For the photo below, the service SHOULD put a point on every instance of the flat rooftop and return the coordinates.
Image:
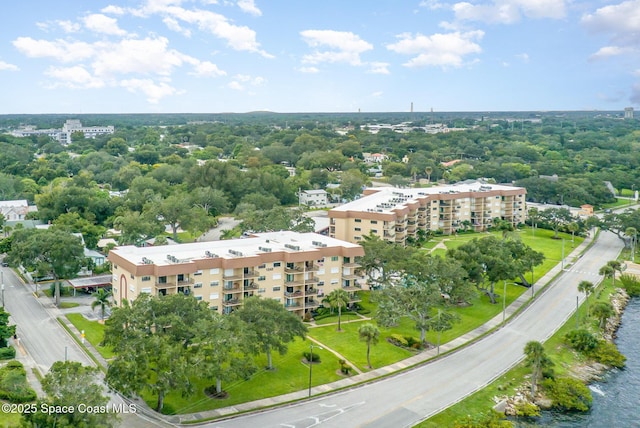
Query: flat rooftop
(387, 199)
(259, 243)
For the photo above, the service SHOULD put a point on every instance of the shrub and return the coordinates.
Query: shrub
(398, 340)
(344, 367)
(581, 340)
(607, 353)
(311, 356)
(526, 410)
(631, 284)
(13, 384)
(568, 394)
(491, 419)
(7, 353)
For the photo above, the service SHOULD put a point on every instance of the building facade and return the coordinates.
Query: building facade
(314, 198)
(395, 214)
(64, 135)
(297, 269)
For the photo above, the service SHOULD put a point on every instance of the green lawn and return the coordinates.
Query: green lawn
(94, 333)
(9, 420)
(291, 374)
(67, 305)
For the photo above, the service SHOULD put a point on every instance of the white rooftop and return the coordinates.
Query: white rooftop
(386, 199)
(262, 242)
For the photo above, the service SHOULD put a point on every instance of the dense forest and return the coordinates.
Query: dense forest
(190, 168)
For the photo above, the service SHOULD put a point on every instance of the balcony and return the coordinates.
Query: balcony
(312, 280)
(293, 270)
(293, 295)
(355, 298)
(161, 285)
(311, 291)
(351, 265)
(294, 283)
(291, 306)
(232, 276)
(187, 281)
(251, 286)
(231, 302)
(251, 274)
(311, 267)
(232, 289)
(349, 288)
(311, 303)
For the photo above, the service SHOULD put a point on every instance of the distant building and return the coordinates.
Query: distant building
(395, 214)
(314, 198)
(64, 135)
(374, 157)
(628, 113)
(295, 269)
(14, 210)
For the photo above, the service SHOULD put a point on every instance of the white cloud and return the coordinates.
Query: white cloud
(444, 50)
(610, 51)
(174, 25)
(249, 6)
(61, 50)
(509, 11)
(154, 91)
(207, 69)
(524, 57)
(309, 70)
(343, 46)
(620, 21)
(5, 66)
(379, 68)
(73, 77)
(236, 85)
(69, 26)
(240, 81)
(240, 38)
(377, 94)
(113, 10)
(103, 24)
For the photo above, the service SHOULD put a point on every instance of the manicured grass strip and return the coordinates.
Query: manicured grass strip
(93, 332)
(68, 305)
(79, 342)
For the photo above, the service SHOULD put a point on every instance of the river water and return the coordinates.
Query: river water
(616, 399)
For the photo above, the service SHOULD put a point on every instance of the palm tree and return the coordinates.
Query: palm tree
(608, 272)
(586, 287)
(102, 300)
(537, 359)
(369, 333)
(338, 298)
(602, 311)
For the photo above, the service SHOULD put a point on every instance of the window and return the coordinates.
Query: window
(132, 277)
(334, 281)
(198, 272)
(277, 276)
(214, 271)
(357, 229)
(213, 308)
(356, 238)
(277, 264)
(198, 297)
(214, 283)
(276, 288)
(261, 290)
(358, 220)
(146, 278)
(146, 290)
(214, 296)
(334, 258)
(374, 221)
(335, 269)
(320, 284)
(262, 278)
(374, 230)
(262, 266)
(197, 285)
(321, 271)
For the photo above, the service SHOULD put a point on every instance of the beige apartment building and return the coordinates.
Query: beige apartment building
(394, 214)
(297, 269)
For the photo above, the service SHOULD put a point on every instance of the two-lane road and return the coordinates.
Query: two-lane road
(39, 333)
(412, 396)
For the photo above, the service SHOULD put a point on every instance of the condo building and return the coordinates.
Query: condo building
(297, 269)
(395, 214)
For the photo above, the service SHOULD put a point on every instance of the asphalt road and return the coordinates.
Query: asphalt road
(410, 397)
(38, 331)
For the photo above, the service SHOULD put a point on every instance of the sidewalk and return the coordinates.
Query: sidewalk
(494, 323)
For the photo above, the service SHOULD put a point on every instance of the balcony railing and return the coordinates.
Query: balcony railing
(312, 303)
(187, 281)
(293, 295)
(311, 291)
(232, 289)
(293, 270)
(231, 302)
(292, 306)
(166, 284)
(232, 276)
(251, 274)
(251, 286)
(294, 283)
(351, 288)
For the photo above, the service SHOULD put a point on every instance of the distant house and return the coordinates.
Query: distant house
(586, 210)
(14, 210)
(374, 157)
(314, 198)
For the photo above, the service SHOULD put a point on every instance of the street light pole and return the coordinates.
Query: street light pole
(562, 254)
(504, 302)
(311, 363)
(532, 281)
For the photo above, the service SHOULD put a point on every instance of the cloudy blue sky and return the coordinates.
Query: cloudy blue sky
(128, 56)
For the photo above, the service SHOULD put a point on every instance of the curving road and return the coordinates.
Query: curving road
(410, 397)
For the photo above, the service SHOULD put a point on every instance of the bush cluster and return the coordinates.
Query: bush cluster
(405, 341)
(599, 350)
(568, 394)
(344, 367)
(311, 356)
(7, 353)
(13, 384)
